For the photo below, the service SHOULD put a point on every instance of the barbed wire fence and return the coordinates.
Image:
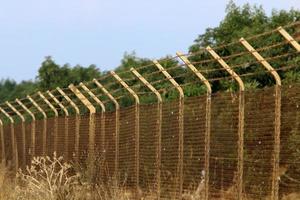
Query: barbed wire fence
(155, 137)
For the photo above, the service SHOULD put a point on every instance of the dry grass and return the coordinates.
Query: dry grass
(53, 179)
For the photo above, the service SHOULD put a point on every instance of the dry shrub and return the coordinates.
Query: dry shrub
(46, 179)
(50, 178)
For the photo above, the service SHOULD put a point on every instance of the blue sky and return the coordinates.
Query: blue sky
(99, 32)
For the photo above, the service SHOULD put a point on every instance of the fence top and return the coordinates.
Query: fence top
(95, 98)
(58, 102)
(170, 78)
(69, 100)
(118, 78)
(37, 106)
(7, 115)
(48, 103)
(274, 73)
(16, 111)
(83, 99)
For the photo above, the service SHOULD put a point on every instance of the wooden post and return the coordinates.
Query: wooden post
(44, 124)
(100, 103)
(289, 38)
(92, 110)
(207, 120)
(13, 140)
(32, 145)
(137, 127)
(117, 124)
(77, 124)
(55, 119)
(23, 132)
(66, 122)
(159, 127)
(241, 123)
(276, 151)
(180, 124)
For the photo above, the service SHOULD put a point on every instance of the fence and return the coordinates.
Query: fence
(239, 144)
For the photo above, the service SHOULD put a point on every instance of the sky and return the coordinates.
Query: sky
(100, 32)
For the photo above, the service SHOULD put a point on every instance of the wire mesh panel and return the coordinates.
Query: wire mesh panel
(148, 148)
(83, 139)
(39, 137)
(8, 143)
(28, 145)
(98, 140)
(61, 137)
(110, 143)
(224, 140)
(99, 148)
(194, 141)
(19, 141)
(259, 143)
(127, 163)
(69, 137)
(170, 150)
(50, 136)
(290, 141)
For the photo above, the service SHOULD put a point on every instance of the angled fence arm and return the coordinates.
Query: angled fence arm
(180, 124)
(32, 145)
(44, 122)
(137, 126)
(48, 103)
(117, 123)
(77, 126)
(55, 119)
(207, 120)
(13, 139)
(159, 126)
(276, 151)
(58, 103)
(262, 61)
(101, 104)
(289, 38)
(66, 121)
(3, 156)
(196, 72)
(241, 119)
(92, 111)
(23, 131)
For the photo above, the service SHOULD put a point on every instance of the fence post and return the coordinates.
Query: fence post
(241, 123)
(23, 131)
(44, 124)
(137, 127)
(32, 145)
(13, 140)
(276, 152)
(92, 110)
(66, 121)
(159, 126)
(100, 103)
(289, 38)
(180, 123)
(77, 124)
(117, 125)
(3, 156)
(55, 119)
(207, 120)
